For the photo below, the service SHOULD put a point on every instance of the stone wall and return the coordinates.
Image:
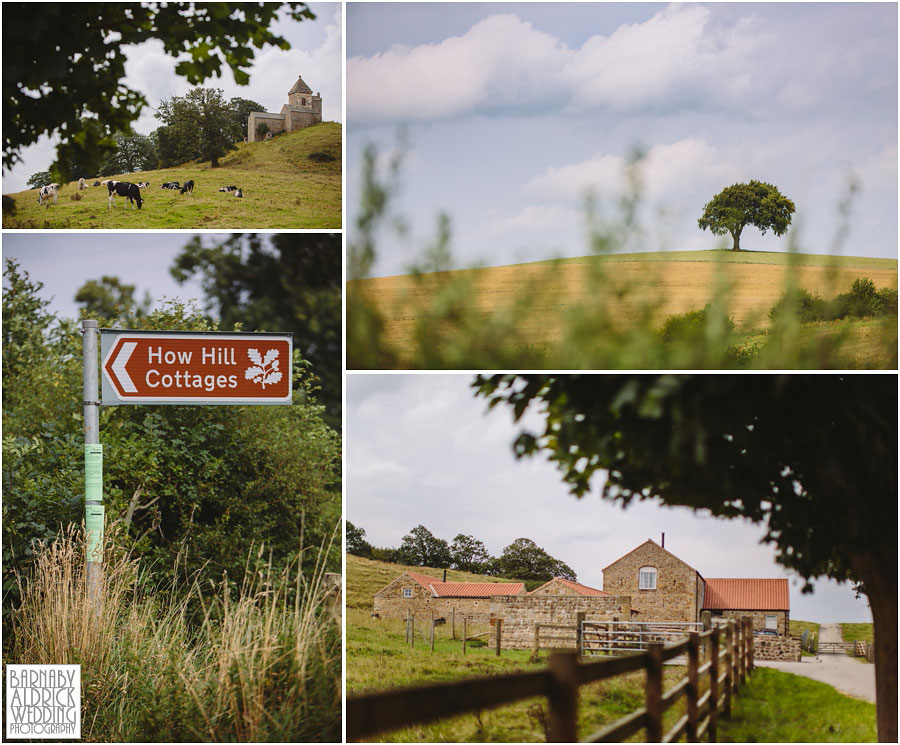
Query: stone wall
(519, 615)
(677, 593)
(275, 123)
(786, 648)
(759, 618)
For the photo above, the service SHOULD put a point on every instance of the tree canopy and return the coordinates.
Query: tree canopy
(756, 203)
(813, 458)
(133, 153)
(524, 559)
(420, 547)
(198, 126)
(63, 67)
(468, 554)
(288, 282)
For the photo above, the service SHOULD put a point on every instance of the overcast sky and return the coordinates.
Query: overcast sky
(315, 54)
(63, 262)
(514, 111)
(421, 449)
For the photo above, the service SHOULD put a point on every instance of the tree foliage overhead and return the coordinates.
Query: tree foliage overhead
(63, 67)
(739, 205)
(813, 458)
(290, 282)
(111, 300)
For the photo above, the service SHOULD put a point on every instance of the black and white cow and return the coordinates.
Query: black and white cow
(96, 183)
(143, 184)
(47, 192)
(228, 188)
(188, 186)
(131, 192)
(170, 185)
(238, 193)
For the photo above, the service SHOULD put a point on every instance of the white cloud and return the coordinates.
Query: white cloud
(504, 63)
(533, 218)
(666, 171)
(500, 62)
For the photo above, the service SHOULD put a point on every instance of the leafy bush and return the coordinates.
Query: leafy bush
(806, 306)
(691, 326)
(862, 301)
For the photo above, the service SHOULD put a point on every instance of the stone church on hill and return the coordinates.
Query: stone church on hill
(303, 109)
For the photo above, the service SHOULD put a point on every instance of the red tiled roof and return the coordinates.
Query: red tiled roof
(576, 586)
(746, 594)
(465, 589)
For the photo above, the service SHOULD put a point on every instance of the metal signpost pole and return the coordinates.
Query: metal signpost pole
(93, 460)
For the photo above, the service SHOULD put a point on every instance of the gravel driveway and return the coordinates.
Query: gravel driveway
(844, 673)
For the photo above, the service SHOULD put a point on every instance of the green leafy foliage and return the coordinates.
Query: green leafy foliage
(112, 301)
(197, 126)
(468, 554)
(420, 547)
(691, 326)
(862, 301)
(39, 179)
(356, 540)
(133, 153)
(755, 203)
(192, 487)
(64, 66)
(241, 108)
(524, 559)
(292, 282)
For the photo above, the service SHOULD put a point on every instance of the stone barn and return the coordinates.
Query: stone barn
(303, 109)
(422, 594)
(766, 601)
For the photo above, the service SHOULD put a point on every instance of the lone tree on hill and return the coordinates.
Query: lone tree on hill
(813, 458)
(736, 206)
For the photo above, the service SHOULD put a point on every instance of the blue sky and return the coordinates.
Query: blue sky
(420, 449)
(513, 112)
(315, 54)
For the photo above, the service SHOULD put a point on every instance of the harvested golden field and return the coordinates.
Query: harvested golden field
(657, 284)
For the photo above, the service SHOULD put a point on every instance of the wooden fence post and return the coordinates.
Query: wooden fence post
(579, 634)
(562, 697)
(693, 686)
(654, 692)
(729, 666)
(453, 616)
(412, 630)
(714, 684)
(432, 632)
(499, 632)
(465, 632)
(738, 657)
(536, 644)
(750, 648)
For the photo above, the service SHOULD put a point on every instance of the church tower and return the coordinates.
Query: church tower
(303, 109)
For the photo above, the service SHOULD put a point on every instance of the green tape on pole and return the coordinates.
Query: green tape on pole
(93, 473)
(93, 524)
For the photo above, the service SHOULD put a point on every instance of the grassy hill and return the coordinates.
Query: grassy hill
(283, 188)
(544, 300)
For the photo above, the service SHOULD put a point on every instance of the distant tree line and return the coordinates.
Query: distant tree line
(200, 126)
(522, 559)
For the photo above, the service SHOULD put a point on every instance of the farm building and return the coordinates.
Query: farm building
(303, 109)
(422, 594)
(766, 601)
(560, 586)
(662, 587)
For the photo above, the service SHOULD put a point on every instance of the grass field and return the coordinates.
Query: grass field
(772, 706)
(856, 632)
(659, 284)
(282, 187)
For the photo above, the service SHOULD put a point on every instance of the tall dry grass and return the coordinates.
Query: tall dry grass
(256, 662)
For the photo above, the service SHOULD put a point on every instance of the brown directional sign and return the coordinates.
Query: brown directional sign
(141, 367)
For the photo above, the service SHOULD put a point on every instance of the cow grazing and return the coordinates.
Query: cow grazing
(96, 183)
(143, 184)
(170, 185)
(228, 188)
(81, 184)
(188, 186)
(123, 189)
(48, 191)
(238, 193)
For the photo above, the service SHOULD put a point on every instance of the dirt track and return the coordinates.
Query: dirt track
(844, 673)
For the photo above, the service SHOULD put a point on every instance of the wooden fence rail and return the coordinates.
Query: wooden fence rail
(727, 666)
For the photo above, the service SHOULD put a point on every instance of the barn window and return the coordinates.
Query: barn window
(647, 578)
(407, 592)
(772, 622)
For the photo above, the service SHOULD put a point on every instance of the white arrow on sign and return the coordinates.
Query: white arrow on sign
(118, 366)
